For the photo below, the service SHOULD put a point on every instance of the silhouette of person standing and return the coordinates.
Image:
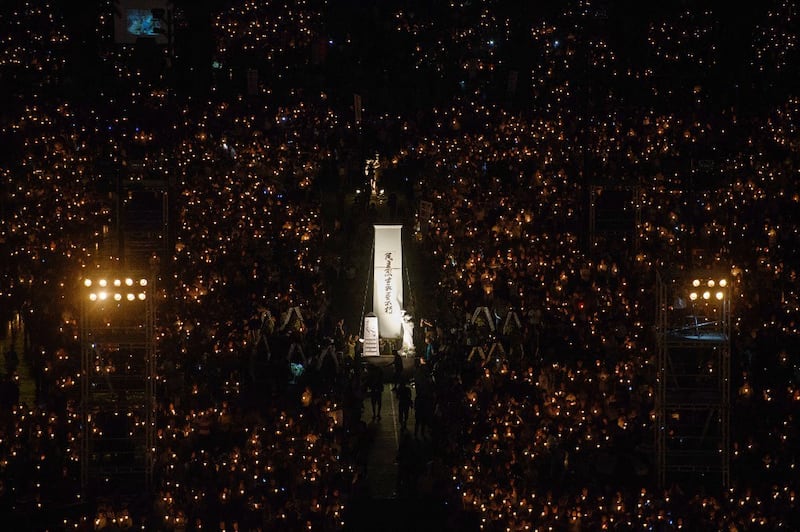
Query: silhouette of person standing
(398, 369)
(423, 404)
(404, 403)
(375, 390)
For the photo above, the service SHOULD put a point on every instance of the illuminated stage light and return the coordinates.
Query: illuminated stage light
(720, 295)
(102, 296)
(696, 283)
(87, 283)
(693, 296)
(711, 283)
(117, 282)
(93, 297)
(142, 282)
(117, 297)
(723, 283)
(128, 282)
(141, 296)
(706, 295)
(131, 297)
(102, 282)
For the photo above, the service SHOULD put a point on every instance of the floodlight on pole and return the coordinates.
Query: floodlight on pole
(102, 294)
(708, 295)
(705, 328)
(114, 316)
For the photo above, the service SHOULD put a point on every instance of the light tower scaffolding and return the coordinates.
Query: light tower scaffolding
(692, 403)
(118, 377)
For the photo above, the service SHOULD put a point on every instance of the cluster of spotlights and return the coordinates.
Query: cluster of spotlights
(117, 289)
(709, 292)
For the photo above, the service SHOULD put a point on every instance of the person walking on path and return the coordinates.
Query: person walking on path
(398, 369)
(404, 403)
(423, 406)
(375, 390)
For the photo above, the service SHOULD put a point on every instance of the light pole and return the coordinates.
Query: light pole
(118, 361)
(692, 389)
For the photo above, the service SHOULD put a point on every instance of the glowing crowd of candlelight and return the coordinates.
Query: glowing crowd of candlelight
(506, 231)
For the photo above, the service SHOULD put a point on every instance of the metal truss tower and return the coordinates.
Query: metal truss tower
(692, 403)
(118, 378)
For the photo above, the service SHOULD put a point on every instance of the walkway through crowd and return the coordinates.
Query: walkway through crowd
(399, 496)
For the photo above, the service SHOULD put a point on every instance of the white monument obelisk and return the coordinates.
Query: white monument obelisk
(387, 292)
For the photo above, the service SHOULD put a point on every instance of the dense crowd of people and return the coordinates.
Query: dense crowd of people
(536, 367)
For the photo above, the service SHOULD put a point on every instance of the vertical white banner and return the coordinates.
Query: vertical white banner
(387, 293)
(371, 340)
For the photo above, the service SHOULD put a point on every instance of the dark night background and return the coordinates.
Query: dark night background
(573, 156)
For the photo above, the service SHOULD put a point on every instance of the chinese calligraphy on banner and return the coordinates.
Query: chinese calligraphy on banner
(387, 298)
